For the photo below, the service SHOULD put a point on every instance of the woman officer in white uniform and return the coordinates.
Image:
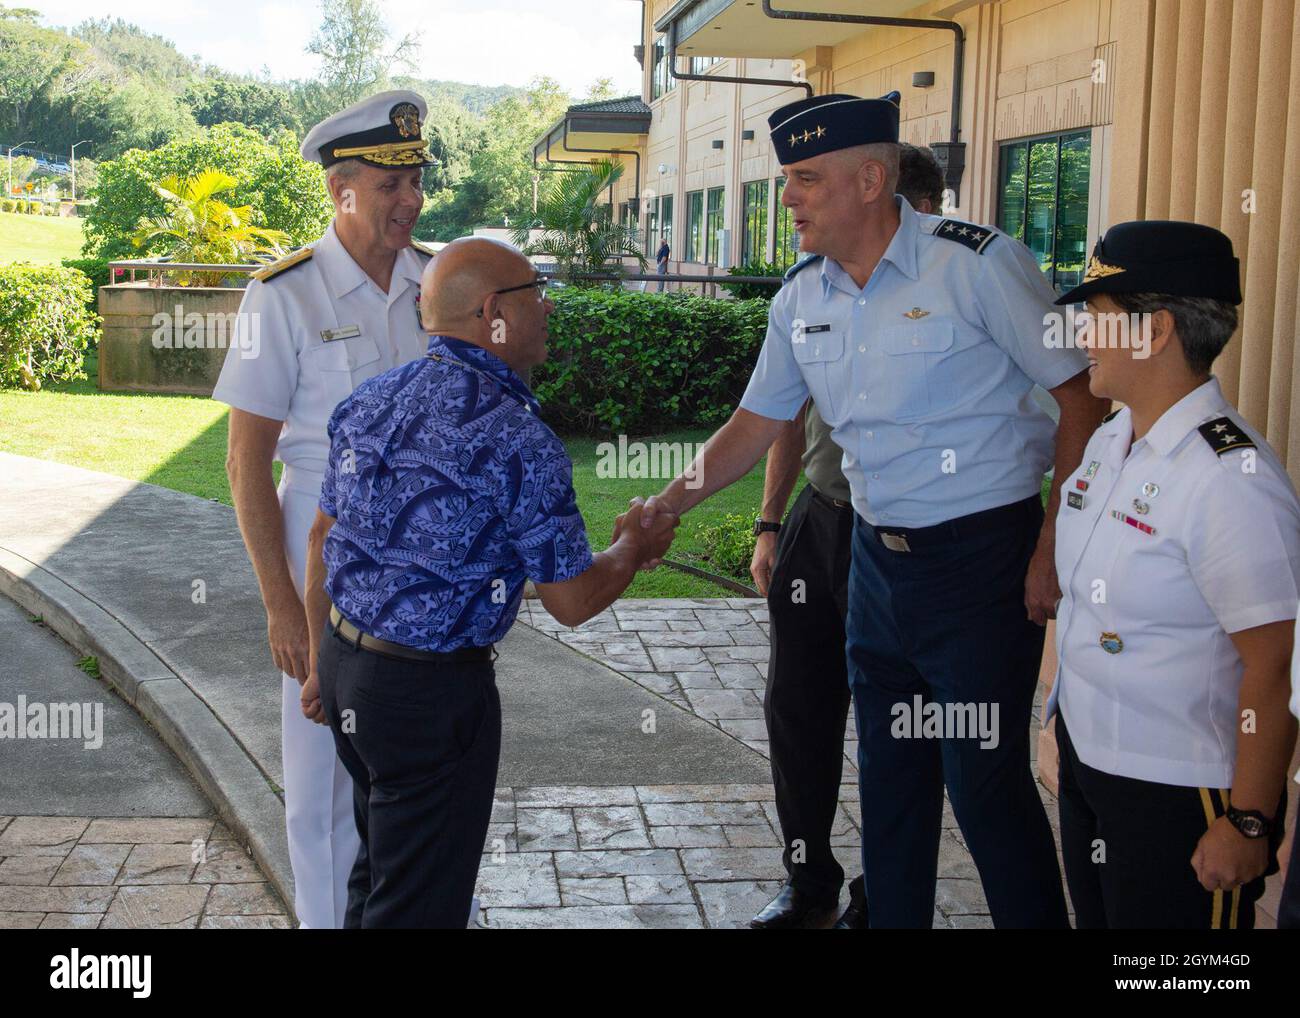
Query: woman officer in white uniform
(1178, 551)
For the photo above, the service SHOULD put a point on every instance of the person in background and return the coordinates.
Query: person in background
(806, 704)
(661, 258)
(444, 493)
(1178, 552)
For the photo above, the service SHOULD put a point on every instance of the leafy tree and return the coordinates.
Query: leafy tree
(499, 182)
(130, 48)
(265, 108)
(601, 88)
(454, 137)
(29, 57)
(352, 44)
(198, 226)
(285, 192)
(20, 166)
(579, 231)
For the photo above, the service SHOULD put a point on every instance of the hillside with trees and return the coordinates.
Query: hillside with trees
(127, 90)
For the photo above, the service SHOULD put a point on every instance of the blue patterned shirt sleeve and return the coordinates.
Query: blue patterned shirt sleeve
(329, 485)
(543, 523)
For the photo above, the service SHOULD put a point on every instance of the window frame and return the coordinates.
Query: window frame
(715, 221)
(694, 225)
(1026, 144)
(754, 213)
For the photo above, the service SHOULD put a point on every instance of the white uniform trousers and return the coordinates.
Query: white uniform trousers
(318, 804)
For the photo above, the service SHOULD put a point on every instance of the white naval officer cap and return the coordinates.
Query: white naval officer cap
(384, 130)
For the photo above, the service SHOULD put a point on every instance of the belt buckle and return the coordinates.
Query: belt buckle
(895, 542)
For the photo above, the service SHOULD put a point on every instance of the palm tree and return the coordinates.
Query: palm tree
(204, 229)
(578, 230)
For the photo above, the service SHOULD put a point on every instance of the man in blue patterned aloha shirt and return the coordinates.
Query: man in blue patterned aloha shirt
(444, 493)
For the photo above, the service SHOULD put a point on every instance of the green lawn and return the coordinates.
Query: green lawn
(179, 442)
(43, 240)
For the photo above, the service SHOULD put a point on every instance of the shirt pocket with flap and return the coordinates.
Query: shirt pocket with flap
(820, 358)
(343, 364)
(913, 355)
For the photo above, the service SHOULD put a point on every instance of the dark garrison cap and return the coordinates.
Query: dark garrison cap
(827, 123)
(1161, 256)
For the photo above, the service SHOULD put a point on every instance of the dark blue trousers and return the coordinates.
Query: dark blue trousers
(421, 742)
(946, 622)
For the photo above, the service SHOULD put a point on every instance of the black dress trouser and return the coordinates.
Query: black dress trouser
(422, 741)
(1127, 845)
(806, 704)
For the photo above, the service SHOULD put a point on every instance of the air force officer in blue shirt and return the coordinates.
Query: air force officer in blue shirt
(919, 340)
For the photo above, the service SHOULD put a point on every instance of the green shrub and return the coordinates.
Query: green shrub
(6, 204)
(752, 291)
(730, 546)
(33, 208)
(45, 324)
(639, 363)
(94, 269)
(286, 192)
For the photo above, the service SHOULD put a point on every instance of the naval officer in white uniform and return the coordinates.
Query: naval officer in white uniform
(1178, 552)
(326, 318)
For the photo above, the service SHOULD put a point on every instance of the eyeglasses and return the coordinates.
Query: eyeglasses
(541, 282)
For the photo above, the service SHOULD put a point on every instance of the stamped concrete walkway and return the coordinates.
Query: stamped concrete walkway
(100, 825)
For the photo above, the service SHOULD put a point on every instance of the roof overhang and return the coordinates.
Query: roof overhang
(739, 28)
(594, 130)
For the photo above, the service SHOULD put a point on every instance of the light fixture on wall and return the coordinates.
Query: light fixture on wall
(746, 135)
(923, 79)
(717, 143)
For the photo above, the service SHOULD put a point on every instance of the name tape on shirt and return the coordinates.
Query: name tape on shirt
(346, 332)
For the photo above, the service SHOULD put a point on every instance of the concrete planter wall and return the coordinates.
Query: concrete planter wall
(152, 341)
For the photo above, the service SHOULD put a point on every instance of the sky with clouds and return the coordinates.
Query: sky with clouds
(487, 42)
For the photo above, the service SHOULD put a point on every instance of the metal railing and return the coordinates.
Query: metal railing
(155, 270)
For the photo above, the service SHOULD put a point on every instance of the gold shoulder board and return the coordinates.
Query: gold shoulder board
(289, 261)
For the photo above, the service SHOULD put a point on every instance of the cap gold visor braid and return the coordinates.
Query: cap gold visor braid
(395, 153)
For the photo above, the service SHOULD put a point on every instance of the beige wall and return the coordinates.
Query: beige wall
(1209, 119)
(688, 118)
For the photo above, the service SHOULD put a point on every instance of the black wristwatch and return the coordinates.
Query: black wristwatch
(761, 526)
(1250, 822)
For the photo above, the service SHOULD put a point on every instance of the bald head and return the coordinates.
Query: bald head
(460, 297)
(459, 279)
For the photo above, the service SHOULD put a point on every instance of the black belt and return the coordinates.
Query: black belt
(351, 634)
(912, 538)
(827, 501)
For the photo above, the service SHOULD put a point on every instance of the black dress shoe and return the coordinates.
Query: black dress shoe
(855, 916)
(790, 910)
